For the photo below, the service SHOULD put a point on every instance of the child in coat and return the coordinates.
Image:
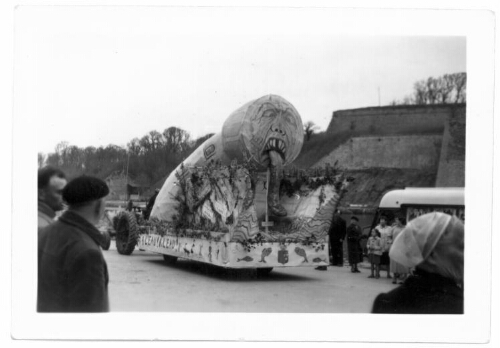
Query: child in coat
(374, 247)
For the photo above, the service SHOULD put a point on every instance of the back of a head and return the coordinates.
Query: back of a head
(83, 190)
(47, 172)
(447, 257)
(433, 242)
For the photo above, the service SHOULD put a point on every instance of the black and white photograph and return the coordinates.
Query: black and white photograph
(256, 173)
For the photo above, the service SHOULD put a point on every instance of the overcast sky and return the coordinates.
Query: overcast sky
(98, 76)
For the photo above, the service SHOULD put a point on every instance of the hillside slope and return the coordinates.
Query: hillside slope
(319, 146)
(370, 185)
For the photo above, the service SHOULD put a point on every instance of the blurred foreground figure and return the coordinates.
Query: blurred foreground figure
(72, 272)
(51, 182)
(433, 244)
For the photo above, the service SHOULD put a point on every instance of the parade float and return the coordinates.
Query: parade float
(237, 202)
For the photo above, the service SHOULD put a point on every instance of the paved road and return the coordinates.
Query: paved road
(143, 282)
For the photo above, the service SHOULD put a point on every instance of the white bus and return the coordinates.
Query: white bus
(412, 202)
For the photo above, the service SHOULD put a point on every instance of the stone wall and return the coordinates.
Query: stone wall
(405, 152)
(451, 171)
(393, 120)
(398, 146)
(404, 136)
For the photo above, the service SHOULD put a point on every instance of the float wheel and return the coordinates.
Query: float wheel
(107, 240)
(126, 233)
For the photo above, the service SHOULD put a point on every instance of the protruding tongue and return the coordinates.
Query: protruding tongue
(276, 159)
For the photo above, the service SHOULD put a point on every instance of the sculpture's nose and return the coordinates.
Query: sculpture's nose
(277, 127)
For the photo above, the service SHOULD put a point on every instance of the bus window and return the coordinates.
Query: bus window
(413, 212)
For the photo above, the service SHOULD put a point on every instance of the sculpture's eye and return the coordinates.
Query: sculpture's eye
(289, 118)
(269, 113)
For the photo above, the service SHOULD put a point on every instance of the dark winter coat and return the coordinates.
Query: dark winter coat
(353, 246)
(337, 229)
(423, 293)
(72, 272)
(150, 205)
(336, 238)
(46, 215)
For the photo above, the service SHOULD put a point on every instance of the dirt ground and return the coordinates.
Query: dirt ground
(143, 282)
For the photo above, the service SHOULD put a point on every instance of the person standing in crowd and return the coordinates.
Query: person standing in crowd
(434, 244)
(353, 247)
(130, 205)
(385, 237)
(398, 270)
(72, 272)
(51, 182)
(374, 247)
(151, 203)
(337, 234)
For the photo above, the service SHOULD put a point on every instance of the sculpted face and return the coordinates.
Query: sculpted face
(273, 131)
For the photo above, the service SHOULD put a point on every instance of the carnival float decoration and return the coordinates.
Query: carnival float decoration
(237, 201)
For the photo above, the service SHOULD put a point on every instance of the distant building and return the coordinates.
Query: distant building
(157, 185)
(123, 188)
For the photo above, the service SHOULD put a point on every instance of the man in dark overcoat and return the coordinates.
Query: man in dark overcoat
(337, 235)
(72, 272)
(149, 207)
(353, 246)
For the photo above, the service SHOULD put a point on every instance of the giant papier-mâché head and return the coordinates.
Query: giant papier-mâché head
(268, 124)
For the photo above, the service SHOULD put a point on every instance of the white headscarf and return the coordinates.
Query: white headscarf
(434, 242)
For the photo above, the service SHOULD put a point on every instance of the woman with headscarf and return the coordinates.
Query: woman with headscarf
(433, 244)
(398, 270)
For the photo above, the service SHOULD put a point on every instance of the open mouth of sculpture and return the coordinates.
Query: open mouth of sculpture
(276, 145)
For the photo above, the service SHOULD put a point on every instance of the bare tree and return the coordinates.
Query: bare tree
(408, 100)
(445, 87)
(176, 139)
(146, 144)
(432, 90)
(309, 129)
(449, 88)
(156, 139)
(460, 80)
(134, 147)
(41, 159)
(420, 92)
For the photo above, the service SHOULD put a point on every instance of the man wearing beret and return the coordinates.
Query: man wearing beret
(72, 272)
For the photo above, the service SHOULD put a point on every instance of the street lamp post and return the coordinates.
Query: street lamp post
(126, 185)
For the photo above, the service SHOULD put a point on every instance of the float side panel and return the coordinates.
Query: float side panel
(236, 255)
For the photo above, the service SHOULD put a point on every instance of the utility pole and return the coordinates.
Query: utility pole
(126, 186)
(379, 96)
